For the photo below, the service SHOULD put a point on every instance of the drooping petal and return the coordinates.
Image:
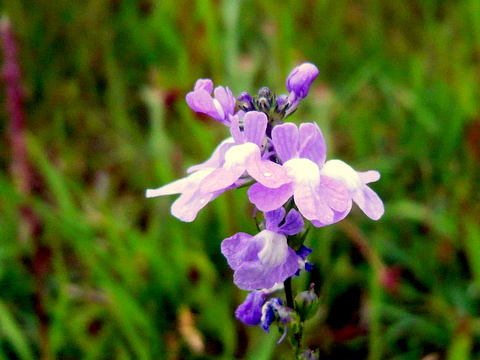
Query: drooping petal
(268, 199)
(252, 275)
(187, 206)
(337, 216)
(373, 205)
(285, 140)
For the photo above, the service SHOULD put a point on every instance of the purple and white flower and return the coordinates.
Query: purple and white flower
(319, 198)
(323, 193)
(263, 260)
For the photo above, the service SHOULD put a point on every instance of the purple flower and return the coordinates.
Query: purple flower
(321, 199)
(263, 260)
(300, 79)
(221, 107)
(246, 155)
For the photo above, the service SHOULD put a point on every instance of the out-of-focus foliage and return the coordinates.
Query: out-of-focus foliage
(108, 274)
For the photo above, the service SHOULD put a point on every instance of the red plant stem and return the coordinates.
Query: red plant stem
(15, 100)
(22, 174)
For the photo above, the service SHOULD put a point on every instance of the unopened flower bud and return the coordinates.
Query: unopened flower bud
(307, 304)
(246, 103)
(301, 78)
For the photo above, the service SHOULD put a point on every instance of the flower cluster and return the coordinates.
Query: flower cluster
(289, 179)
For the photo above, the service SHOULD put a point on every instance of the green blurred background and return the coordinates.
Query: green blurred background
(90, 269)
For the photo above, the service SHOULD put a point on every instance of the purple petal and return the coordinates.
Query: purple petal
(204, 84)
(268, 199)
(285, 140)
(255, 124)
(304, 251)
(201, 101)
(266, 172)
(251, 276)
(236, 248)
(273, 218)
(337, 216)
(274, 262)
(250, 311)
(373, 205)
(187, 206)
(226, 100)
(293, 224)
(312, 143)
(336, 195)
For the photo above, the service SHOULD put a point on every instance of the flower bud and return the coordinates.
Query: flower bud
(301, 78)
(307, 304)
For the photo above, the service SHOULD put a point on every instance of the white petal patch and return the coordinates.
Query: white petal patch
(274, 250)
(339, 170)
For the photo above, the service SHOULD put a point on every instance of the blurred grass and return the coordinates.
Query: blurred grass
(122, 279)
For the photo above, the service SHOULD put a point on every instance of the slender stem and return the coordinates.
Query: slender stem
(287, 284)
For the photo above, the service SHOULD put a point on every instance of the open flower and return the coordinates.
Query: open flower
(321, 199)
(323, 192)
(221, 107)
(263, 260)
(246, 155)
